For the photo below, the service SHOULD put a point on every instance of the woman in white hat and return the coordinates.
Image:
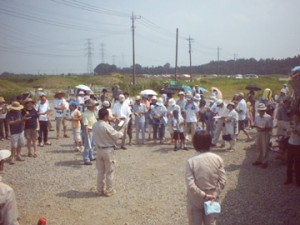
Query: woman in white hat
(231, 125)
(159, 119)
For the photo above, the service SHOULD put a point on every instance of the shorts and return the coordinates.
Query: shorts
(30, 134)
(178, 135)
(76, 134)
(242, 124)
(17, 140)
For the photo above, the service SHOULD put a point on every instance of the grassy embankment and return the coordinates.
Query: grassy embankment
(15, 85)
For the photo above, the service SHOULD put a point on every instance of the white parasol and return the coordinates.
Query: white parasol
(83, 87)
(148, 92)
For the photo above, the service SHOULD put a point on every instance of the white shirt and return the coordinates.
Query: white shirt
(43, 108)
(191, 114)
(59, 103)
(231, 122)
(265, 121)
(242, 105)
(121, 111)
(295, 138)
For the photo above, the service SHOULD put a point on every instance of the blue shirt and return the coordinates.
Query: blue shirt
(12, 116)
(158, 114)
(32, 122)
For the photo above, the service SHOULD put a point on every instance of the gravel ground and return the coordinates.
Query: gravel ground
(150, 188)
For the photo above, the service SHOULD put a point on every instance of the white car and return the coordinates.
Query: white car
(251, 76)
(238, 76)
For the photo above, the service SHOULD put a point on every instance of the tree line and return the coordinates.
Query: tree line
(230, 67)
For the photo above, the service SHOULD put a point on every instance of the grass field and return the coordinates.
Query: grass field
(15, 85)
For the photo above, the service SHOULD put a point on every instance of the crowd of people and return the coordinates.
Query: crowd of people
(101, 125)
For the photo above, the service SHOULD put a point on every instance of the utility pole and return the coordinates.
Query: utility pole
(89, 50)
(190, 52)
(218, 56)
(102, 53)
(234, 63)
(133, 18)
(176, 58)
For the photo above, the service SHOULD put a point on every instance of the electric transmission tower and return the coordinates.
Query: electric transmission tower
(89, 50)
(102, 52)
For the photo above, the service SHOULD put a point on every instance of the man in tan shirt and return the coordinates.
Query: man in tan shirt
(105, 140)
(205, 179)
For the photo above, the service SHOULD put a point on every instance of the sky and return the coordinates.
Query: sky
(51, 36)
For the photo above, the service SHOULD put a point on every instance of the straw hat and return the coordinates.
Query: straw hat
(138, 98)
(4, 154)
(59, 93)
(15, 105)
(42, 94)
(181, 93)
(231, 103)
(27, 100)
(2, 100)
(261, 107)
(91, 102)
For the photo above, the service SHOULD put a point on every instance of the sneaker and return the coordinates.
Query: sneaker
(47, 143)
(110, 193)
(256, 163)
(66, 136)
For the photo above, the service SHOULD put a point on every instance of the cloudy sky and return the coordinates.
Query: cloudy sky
(51, 36)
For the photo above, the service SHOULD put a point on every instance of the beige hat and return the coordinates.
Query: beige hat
(160, 101)
(4, 154)
(15, 105)
(138, 98)
(59, 93)
(154, 98)
(261, 106)
(171, 102)
(91, 102)
(121, 97)
(106, 104)
(219, 102)
(27, 100)
(231, 103)
(2, 100)
(81, 93)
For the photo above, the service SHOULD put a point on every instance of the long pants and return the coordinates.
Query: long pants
(139, 127)
(160, 129)
(3, 127)
(262, 146)
(105, 164)
(88, 153)
(293, 160)
(195, 211)
(219, 129)
(210, 127)
(43, 132)
(59, 121)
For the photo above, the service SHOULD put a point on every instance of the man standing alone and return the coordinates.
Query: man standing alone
(105, 143)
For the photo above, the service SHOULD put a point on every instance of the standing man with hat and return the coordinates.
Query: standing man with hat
(220, 122)
(106, 138)
(242, 110)
(43, 109)
(231, 125)
(190, 112)
(31, 126)
(3, 122)
(159, 119)
(181, 101)
(263, 124)
(139, 110)
(89, 119)
(15, 121)
(60, 106)
(8, 203)
(122, 111)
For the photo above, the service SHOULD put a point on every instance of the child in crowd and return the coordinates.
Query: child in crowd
(75, 117)
(178, 130)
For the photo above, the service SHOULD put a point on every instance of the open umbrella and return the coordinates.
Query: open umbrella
(83, 87)
(148, 92)
(166, 91)
(253, 87)
(296, 68)
(217, 92)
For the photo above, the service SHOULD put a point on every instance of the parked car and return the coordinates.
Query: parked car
(251, 76)
(238, 76)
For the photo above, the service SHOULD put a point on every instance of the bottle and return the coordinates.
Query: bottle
(42, 221)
